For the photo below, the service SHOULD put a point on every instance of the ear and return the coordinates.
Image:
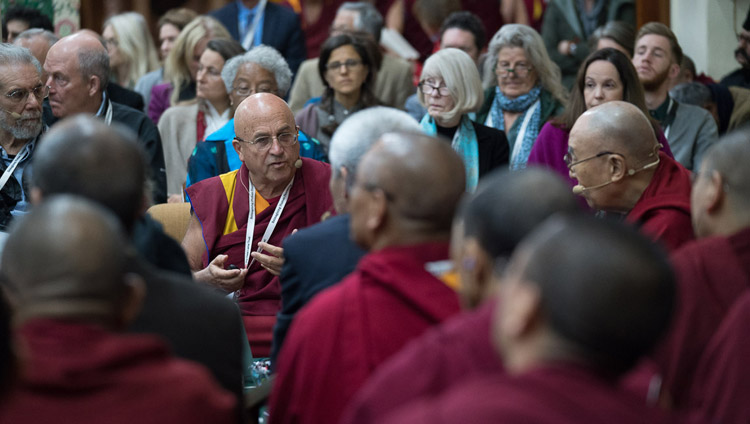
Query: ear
(377, 212)
(132, 301)
(617, 167)
(476, 273)
(522, 309)
(36, 196)
(94, 85)
(674, 70)
(344, 173)
(237, 148)
(715, 194)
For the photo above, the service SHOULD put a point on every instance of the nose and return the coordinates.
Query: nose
(49, 83)
(598, 93)
(276, 148)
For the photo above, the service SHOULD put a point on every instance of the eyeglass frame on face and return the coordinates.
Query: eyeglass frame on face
(262, 145)
(742, 37)
(210, 70)
(521, 72)
(251, 91)
(25, 94)
(442, 90)
(568, 158)
(348, 64)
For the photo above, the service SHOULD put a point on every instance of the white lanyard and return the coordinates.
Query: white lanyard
(12, 167)
(247, 42)
(251, 219)
(669, 109)
(522, 130)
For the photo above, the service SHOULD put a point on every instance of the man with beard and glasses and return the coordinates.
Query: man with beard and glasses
(20, 126)
(689, 129)
(741, 77)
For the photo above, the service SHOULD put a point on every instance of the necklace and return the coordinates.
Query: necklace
(243, 183)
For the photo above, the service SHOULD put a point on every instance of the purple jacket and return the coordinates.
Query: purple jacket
(160, 94)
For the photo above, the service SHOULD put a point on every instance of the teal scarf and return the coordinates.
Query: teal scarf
(520, 153)
(464, 143)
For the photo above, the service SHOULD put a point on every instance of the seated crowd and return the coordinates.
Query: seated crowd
(542, 228)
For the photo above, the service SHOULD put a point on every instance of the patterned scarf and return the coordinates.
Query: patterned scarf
(520, 153)
(464, 143)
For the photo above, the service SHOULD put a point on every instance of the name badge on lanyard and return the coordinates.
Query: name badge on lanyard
(271, 225)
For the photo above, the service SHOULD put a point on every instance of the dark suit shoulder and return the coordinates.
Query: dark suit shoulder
(120, 94)
(227, 15)
(494, 150)
(335, 226)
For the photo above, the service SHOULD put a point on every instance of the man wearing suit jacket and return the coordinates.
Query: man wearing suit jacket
(320, 256)
(276, 26)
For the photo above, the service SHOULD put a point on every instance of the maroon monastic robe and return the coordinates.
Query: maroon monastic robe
(712, 273)
(452, 352)
(345, 332)
(80, 373)
(260, 297)
(663, 211)
(548, 394)
(721, 393)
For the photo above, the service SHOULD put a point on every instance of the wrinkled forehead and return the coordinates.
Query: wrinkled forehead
(254, 117)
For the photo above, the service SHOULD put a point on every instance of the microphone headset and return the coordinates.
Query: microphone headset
(13, 115)
(578, 189)
(298, 163)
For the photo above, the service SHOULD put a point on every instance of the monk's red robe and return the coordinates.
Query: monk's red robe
(722, 388)
(663, 211)
(224, 229)
(549, 394)
(80, 373)
(445, 355)
(345, 332)
(712, 273)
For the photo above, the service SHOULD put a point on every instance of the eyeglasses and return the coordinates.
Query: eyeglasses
(20, 95)
(742, 37)
(568, 158)
(210, 69)
(520, 69)
(348, 64)
(248, 91)
(264, 142)
(431, 89)
(111, 42)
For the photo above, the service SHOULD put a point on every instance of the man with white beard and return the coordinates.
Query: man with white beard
(22, 92)
(689, 129)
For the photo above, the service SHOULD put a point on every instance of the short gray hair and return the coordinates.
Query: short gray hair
(368, 18)
(34, 32)
(94, 62)
(11, 54)
(692, 93)
(459, 72)
(354, 137)
(267, 58)
(525, 37)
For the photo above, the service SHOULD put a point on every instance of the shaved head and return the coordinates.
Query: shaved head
(620, 127)
(66, 258)
(422, 180)
(86, 157)
(730, 158)
(605, 298)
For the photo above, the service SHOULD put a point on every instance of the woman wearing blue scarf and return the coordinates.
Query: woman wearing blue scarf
(450, 89)
(524, 89)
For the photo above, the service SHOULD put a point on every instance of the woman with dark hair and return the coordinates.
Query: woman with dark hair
(616, 34)
(186, 124)
(606, 75)
(347, 66)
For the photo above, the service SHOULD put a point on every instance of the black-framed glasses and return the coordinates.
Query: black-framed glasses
(568, 158)
(521, 70)
(743, 37)
(428, 88)
(264, 142)
(19, 95)
(348, 64)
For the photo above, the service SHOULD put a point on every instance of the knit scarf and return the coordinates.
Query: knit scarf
(520, 154)
(464, 143)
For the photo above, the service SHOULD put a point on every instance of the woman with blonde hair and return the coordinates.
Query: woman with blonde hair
(181, 66)
(523, 89)
(131, 49)
(450, 89)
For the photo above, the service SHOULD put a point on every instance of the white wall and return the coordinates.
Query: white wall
(706, 30)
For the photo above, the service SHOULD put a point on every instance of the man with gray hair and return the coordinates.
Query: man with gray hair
(78, 73)
(320, 256)
(393, 81)
(38, 41)
(20, 126)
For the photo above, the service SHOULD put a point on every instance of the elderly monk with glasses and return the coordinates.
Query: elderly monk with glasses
(240, 218)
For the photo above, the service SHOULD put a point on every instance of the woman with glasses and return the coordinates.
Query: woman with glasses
(346, 66)
(184, 125)
(260, 70)
(450, 89)
(606, 75)
(131, 49)
(524, 89)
